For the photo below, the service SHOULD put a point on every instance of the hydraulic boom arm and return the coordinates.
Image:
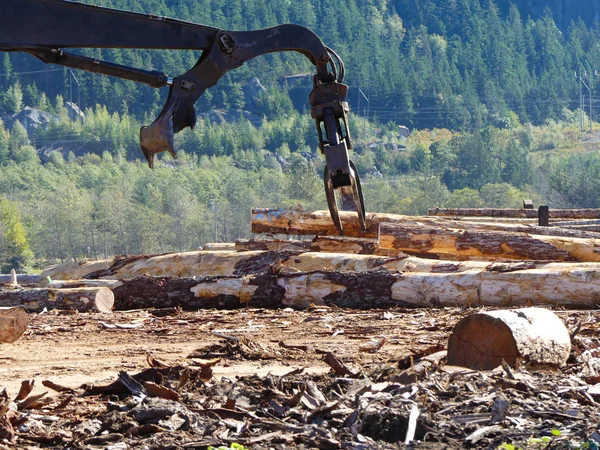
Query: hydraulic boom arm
(44, 28)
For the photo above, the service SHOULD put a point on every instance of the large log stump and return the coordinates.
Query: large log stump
(482, 341)
(13, 323)
(99, 299)
(488, 245)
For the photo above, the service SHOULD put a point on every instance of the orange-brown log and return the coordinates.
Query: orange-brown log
(483, 340)
(13, 323)
(488, 245)
(99, 299)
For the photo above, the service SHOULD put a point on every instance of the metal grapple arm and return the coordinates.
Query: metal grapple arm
(44, 28)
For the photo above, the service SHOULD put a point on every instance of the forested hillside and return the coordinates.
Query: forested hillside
(488, 90)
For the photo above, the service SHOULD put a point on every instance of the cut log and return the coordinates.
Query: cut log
(586, 213)
(482, 341)
(219, 246)
(575, 285)
(21, 278)
(358, 246)
(245, 245)
(488, 245)
(13, 323)
(277, 221)
(201, 264)
(83, 283)
(99, 299)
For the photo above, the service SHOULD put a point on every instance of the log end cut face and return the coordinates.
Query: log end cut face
(482, 341)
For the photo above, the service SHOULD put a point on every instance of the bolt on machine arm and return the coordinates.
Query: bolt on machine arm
(44, 28)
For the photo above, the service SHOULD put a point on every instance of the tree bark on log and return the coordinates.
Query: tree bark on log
(488, 245)
(575, 285)
(13, 323)
(277, 245)
(482, 341)
(278, 221)
(99, 299)
(584, 213)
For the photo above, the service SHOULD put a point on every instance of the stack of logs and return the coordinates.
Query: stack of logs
(398, 261)
(432, 261)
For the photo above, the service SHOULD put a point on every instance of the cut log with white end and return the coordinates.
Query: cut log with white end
(483, 340)
(489, 245)
(100, 299)
(13, 323)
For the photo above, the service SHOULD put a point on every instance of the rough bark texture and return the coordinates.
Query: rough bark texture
(80, 299)
(361, 290)
(589, 213)
(245, 245)
(482, 341)
(13, 323)
(487, 244)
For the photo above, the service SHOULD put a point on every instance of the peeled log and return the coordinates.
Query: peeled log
(202, 264)
(279, 221)
(245, 245)
(13, 323)
(352, 245)
(584, 213)
(575, 285)
(62, 284)
(489, 245)
(481, 341)
(99, 299)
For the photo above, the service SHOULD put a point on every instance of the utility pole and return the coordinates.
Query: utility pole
(581, 98)
(365, 113)
(78, 98)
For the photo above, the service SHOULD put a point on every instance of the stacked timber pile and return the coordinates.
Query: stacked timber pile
(399, 260)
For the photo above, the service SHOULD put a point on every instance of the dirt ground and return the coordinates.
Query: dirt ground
(72, 349)
(368, 407)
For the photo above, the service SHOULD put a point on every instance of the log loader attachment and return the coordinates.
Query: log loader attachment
(45, 28)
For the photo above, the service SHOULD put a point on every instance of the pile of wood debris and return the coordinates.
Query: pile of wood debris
(383, 383)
